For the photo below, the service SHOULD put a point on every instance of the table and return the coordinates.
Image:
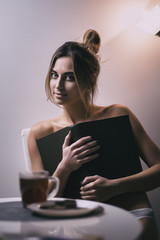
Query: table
(113, 224)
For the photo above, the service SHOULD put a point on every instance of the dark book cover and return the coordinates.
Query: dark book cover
(118, 154)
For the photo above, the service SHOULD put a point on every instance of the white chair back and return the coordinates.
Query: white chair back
(24, 135)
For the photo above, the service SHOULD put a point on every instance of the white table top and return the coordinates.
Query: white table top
(113, 224)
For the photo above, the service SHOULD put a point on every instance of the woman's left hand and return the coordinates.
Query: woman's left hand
(98, 188)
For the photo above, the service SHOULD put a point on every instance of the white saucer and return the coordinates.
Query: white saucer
(83, 208)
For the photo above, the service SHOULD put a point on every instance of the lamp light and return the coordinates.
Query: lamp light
(151, 20)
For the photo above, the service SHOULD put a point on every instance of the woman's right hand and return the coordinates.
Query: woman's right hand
(78, 153)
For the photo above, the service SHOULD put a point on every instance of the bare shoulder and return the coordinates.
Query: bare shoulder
(116, 110)
(110, 111)
(120, 110)
(41, 129)
(46, 127)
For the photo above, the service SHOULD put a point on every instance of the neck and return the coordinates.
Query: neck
(76, 113)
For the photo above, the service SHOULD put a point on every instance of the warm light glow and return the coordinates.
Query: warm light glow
(151, 20)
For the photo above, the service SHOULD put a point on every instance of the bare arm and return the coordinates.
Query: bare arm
(102, 189)
(150, 153)
(36, 162)
(36, 132)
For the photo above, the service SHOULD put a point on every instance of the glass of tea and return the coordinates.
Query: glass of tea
(34, 186)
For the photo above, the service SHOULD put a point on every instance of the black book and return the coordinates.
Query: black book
(118, 154)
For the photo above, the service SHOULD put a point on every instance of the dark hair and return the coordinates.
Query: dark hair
(85, 62)
(92, 40)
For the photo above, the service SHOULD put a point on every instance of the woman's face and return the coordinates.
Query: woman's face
(63, 86)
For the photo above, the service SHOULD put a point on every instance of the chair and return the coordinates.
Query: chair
(24, 135)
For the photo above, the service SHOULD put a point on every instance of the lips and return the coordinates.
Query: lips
(60, 94)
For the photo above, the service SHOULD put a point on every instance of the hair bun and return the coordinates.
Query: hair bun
(92, 40)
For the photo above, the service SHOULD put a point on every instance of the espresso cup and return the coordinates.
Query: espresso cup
(34, 186)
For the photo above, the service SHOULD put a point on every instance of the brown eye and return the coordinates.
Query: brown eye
(54, 75)
(70, 78)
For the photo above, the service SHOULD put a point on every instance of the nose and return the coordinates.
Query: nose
(59, 83)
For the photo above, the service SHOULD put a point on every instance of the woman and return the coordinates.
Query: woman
(71, 83)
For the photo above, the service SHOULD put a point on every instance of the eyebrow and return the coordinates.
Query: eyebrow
(63, 73)
(69, 73)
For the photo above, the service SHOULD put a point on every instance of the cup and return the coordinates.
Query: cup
(34, 186)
